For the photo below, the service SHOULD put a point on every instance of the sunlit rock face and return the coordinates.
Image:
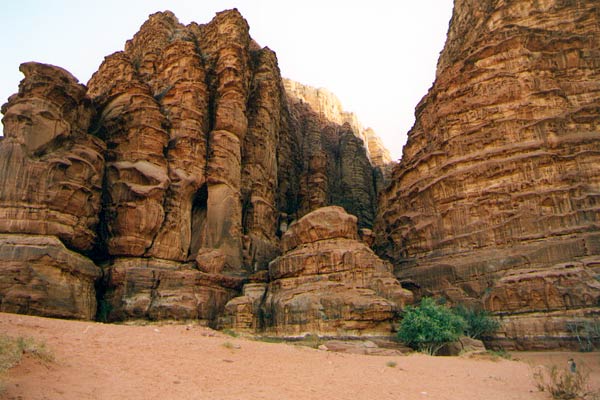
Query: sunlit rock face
(496, 200)
(50, 168)
(177, 169)
(326, 282)
(207, 164)
(51, 178)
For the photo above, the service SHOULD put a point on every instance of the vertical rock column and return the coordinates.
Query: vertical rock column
(136, 170)
(259, 173)
(182, 93)
(50, 185)
(226, 42)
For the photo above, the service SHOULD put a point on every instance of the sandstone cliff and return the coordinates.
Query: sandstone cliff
(326, 281)
(51, 179)
(496, 200)
(176, 171)
(344, 163)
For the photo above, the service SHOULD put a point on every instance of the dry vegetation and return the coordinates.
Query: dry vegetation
(12, 350)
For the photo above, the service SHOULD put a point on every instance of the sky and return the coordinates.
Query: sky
(377, 56)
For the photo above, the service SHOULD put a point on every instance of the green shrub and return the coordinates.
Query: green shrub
(428, 326)
(479, 323)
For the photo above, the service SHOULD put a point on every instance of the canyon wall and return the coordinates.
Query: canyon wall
(496, 200)
(337, 167)
(169, 179)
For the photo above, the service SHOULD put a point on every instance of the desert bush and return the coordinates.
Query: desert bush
(479, 323)
(565, 384)
(428, 326)
(12, 350)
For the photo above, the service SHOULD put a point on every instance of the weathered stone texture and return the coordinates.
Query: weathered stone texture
(145, 288)
(326, 282)
(344, 163)
(499, 177)
(50, 168)
(179, 168)
(40, 276)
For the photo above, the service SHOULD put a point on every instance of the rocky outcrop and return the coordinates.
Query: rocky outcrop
(498, 186)
(51, 179)
(176, 170)
(337, 167)
(40, 276)
(147, 288)
(207, 164)
(326, 282)
(50, 168)
(191, 175)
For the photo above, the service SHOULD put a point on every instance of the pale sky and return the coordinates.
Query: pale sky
(377, 56)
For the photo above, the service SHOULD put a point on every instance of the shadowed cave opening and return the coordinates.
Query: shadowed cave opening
(198, 220)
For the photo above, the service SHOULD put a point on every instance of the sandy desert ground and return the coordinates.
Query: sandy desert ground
(107, 361)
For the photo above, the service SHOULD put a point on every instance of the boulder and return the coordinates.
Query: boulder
(329, 285)
(40, 276)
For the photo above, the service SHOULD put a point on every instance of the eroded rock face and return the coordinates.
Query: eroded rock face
(146, 288)
(51, 178)
(326, 282)
(207, 163)
(50, 168)
(40, 276)
(344, 164)
(498, 185)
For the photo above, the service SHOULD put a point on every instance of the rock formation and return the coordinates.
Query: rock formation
(51, 179)
(50, 168)
(496, 200)
(344, 163)
(176, 170)
(329, 108)
(39, 276)
(326, 281)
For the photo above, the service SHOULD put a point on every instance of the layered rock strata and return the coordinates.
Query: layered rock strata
(339, 167)
(40, 276)
(51, 178)
(50, 168)
(326, 282)
(176, 170)
(498, 188)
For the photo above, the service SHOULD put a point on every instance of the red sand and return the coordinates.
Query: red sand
(104, 361)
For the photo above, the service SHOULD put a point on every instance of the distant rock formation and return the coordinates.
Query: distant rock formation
(326, 281)
(344, 163)
(329, 108)
(497, 198)
(176, 170)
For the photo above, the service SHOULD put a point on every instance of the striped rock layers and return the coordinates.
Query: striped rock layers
(496, 200)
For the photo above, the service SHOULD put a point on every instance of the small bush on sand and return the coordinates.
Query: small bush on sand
(428, 326)
(479, 323)
(12, 350)
(565, 384)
